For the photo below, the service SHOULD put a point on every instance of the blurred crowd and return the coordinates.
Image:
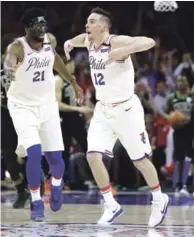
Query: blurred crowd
(159, 72)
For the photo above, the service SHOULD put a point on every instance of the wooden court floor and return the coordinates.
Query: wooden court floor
(79, 214)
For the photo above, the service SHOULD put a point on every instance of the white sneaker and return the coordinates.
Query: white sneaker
(159, 210)
(184, 191)
(109, 214)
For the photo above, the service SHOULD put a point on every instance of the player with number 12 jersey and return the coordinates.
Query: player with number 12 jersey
(113, 82)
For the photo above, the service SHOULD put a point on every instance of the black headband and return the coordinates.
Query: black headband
(37, 20)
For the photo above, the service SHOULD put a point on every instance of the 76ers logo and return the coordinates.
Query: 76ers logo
(143, 138)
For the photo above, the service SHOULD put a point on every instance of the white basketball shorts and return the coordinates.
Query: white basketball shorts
(125, 122)
(37, 125)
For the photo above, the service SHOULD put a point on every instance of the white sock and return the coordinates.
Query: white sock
(56, 182)
(157, 195)
(35, 194)
(108, 197)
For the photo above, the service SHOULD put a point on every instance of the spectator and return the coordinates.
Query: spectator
(186, 68)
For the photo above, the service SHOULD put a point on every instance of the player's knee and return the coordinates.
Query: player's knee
(141, 164)
(54, 157)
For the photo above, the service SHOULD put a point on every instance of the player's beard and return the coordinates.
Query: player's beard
(38, 39)
(36, 34)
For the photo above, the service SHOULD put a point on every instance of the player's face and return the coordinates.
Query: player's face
(38, 31)
(94, 26)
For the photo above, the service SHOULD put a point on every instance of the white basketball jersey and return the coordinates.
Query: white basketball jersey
(113, 82)
(34, 84)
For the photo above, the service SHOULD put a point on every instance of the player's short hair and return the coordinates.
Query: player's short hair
(31, 14)
(106, 16)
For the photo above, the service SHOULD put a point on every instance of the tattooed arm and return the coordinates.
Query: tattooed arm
(14, 56)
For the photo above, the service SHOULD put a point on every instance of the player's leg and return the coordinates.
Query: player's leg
(79, 132)
(179, 155)
(131, 132)
(168, 168)
(101, 140)
(52, 145)
(26, 125)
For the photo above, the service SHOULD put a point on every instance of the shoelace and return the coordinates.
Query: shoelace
(54, 195)
(36, 205)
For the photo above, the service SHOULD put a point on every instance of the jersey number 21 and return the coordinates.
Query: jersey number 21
(38, 76)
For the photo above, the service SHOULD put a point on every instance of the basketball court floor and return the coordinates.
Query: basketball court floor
(80, 212)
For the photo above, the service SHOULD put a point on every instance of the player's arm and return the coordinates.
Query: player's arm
(13, 56)
(79, 41)
(60, 67)
(132, 44)
(122, 46)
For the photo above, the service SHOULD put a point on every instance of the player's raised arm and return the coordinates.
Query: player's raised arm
(60, 67)
(79, 41)
(123, 45)
(132, 44)
(12, 58)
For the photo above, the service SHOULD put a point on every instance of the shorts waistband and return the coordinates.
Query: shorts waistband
(115, 103)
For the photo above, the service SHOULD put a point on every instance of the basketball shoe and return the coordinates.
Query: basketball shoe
(110, 213)
(37, 210)
(159, 210)
(56, 198)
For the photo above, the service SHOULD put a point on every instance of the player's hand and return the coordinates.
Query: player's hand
(67, 48)
(85, 110)
(116, 54)
(79, 95)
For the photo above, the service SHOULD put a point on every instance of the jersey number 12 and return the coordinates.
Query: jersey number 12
(38, 76)
(99, 79)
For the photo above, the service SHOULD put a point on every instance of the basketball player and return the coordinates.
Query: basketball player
(29, 63)
(118, 112)
(9, 139)
(182, 100)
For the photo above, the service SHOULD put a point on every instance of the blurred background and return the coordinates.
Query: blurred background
(156, 73)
